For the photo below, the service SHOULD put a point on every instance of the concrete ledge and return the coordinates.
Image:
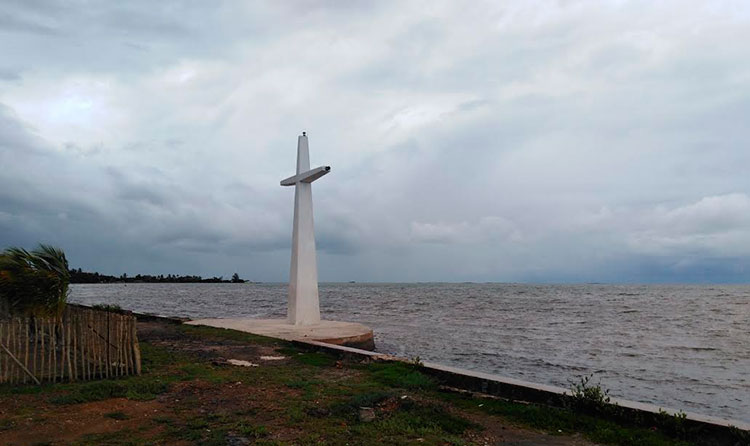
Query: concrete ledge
(330, 332)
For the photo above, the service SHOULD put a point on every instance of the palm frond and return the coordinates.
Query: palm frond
(36, 282)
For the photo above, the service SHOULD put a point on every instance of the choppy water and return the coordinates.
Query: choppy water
(680, 346)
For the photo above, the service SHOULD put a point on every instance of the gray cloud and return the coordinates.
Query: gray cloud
(522, 141)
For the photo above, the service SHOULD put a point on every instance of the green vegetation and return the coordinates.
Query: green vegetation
(34, 283)
(590, 398)
(134, 388)
(203, 332)
(309, 398)
(80, 276)
(401, 375)
(564, 421)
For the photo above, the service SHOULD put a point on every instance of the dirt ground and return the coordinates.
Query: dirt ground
(254, 404)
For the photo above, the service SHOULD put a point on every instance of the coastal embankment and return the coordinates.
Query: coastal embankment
(680, 346)
(210, 386)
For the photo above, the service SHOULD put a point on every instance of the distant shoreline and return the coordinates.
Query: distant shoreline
(77, 276)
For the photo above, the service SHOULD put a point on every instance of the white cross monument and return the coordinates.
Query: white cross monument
(303, 306)
(303, 312)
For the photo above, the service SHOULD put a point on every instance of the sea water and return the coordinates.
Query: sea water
(680, 346)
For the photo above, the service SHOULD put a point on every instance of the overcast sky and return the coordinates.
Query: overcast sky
(556, 141)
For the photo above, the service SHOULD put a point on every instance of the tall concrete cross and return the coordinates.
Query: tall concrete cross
(303, 306)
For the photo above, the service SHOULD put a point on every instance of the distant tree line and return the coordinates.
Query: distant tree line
(79, 276)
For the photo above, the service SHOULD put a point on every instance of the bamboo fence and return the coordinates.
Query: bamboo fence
(84, 344)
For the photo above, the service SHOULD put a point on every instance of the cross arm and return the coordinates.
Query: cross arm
(306, 177)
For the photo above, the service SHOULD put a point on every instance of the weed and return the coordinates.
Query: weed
(589, 398)
(739, 436)
(675, 424)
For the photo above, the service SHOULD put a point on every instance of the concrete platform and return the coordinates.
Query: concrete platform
(349, 334)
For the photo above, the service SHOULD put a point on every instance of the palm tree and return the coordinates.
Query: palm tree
(34, 283)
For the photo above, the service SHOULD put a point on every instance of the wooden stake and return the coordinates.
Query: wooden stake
(36, 341)
(128, 345)
(17, 348)
(101, 352)
(67, 350)
(136, 349)
(26, 338)
(74, 323)
(9, 364)
(109, 351)
(2, 361)
(19, 363)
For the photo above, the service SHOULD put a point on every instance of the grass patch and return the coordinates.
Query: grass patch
(317, 359)
(295, 414)
(196, 370)
(155, 358)
(304, 384)
(136, 388)
(564, 421)
(22, 389)
(400, 375)
(350, 407)
(431, 422)
(203, 332)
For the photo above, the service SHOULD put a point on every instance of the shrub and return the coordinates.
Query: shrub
(34, 283)
(589, 397)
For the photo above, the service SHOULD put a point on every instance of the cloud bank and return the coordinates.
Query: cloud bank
(515, 141)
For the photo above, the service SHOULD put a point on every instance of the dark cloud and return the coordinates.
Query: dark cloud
(520, 141)
(10, 22)
(9, 75)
